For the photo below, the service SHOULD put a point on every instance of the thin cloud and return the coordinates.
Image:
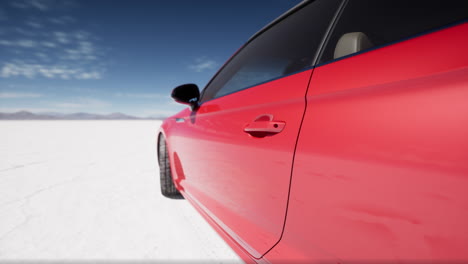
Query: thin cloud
(82, 103)
(74, 57)
(48, 44)
(88, 75)
(81, 35)
(21, 69)
(63, 20)
(202, 64)
(69, 105)
(41, 5)
(34, 24)
(22, 43)
(84, 51)
(141, 95)
(11, 95)
(27, 32)
(29, 109)
(26, 43)
(61, 37)
(42, 56)
(43, 46)
(6, 43)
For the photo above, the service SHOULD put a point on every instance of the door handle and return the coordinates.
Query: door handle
(264, 125)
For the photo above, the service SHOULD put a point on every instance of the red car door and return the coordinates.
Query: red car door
(233, 156)
(381, 171)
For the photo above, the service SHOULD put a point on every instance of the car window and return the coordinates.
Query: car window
(385, 21)
(287, 47)
(254, 72)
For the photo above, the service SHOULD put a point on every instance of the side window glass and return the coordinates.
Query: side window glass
(287, 47)
(366, 24)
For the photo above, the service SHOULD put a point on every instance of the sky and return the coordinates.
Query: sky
(108, 56)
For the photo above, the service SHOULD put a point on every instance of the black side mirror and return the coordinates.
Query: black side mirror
(187, 94)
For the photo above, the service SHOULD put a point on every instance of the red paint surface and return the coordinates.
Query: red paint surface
(381, 169)
(239, 180)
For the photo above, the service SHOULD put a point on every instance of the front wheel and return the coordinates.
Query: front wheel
(168, 188)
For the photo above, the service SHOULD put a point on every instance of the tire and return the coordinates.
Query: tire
(168, 188)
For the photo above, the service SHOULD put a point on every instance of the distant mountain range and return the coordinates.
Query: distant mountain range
(25, 115)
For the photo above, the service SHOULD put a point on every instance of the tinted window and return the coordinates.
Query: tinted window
(387, 21)
(287, 47)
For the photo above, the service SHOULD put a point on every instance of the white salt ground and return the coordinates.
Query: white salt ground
(89, 190)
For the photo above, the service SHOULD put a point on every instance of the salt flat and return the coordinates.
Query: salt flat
(89, 190)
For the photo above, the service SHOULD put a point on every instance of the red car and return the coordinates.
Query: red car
(337, 134)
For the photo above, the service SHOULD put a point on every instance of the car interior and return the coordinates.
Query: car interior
(351, 43)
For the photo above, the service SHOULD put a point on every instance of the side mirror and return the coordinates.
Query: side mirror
(187, 94)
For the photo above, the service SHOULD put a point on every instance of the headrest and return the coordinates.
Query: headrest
(351, 43)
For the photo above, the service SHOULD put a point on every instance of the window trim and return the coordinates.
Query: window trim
(279, 19)
(267, 27)
(329, 32)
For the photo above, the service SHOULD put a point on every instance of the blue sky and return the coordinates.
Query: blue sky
(109, 56)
